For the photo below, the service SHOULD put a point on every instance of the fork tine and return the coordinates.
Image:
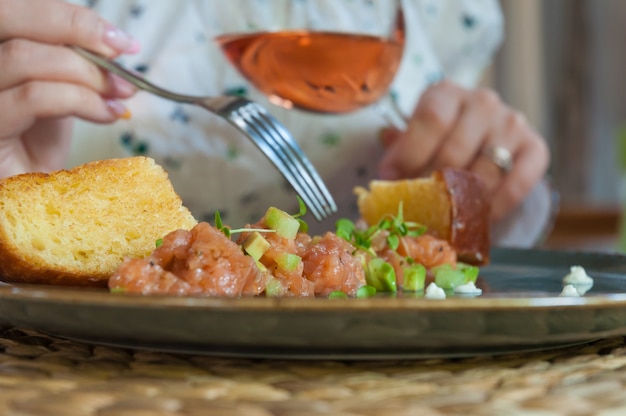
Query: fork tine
(284, 143)
(300, 182)
(289, 144)
(241, 120)
(290, 172)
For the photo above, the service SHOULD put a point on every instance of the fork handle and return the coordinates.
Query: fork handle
(130, 76)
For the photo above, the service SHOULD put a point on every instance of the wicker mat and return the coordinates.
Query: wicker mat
(42, 375)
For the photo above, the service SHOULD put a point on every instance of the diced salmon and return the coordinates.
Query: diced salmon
(427, 250)
(201, 261)
(293, 280)
(143, 276)
(330, 265)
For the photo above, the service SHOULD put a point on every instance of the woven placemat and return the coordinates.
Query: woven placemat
(43, 375)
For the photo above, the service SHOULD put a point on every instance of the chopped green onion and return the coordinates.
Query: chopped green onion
(471, 272)
(288, 262)
(158, 243)
(366, 291)
(414, 277)
(337, 294)
(273, 288)
(449, 278)
(255, 245)
(381, 275)
(118, 289)
(260, 266)
(284, 224)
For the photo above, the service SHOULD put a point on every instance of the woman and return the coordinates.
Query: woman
(44, 86)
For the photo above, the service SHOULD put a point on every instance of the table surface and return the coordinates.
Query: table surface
(586, 228)
(45, 375)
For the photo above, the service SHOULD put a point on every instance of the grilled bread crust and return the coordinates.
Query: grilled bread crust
(74, 227)
(453, 204)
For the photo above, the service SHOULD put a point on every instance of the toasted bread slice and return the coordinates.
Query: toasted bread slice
(74, 227)
(452, 203)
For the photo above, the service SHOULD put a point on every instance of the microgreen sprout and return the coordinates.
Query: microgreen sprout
(398, 228)
(361, 239)
(304, 227)
(395, 226)
(220, 225)
(228, 231)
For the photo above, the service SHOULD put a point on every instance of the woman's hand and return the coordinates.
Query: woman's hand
(454, 127)
(43, 83)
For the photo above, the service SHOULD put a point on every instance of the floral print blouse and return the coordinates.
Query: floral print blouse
(213, 166)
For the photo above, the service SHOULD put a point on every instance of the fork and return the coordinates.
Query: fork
(254, 121)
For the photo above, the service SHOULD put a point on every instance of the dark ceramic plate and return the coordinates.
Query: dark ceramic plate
(519, 311)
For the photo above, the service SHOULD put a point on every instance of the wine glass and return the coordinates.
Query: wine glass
(320, 56)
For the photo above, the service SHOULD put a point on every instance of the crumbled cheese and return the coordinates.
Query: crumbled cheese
(583, 288)
(434, 292)
(578, 279)
(577, 276)
(468, 289)
(569, 291)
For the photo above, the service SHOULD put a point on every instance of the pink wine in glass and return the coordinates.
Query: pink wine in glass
(324, 72)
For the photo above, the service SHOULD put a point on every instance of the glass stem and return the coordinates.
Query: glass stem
(388, 108)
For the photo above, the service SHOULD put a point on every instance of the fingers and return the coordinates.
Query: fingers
(452, 127)
(40, 78)
(24, 104)
(530, 156)
(509, 132)
(44, 148)
(530, 164)
(462, 144)
(24, 60)
(59, 23)
(434, 116)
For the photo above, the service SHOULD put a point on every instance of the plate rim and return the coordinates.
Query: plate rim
(100, 297)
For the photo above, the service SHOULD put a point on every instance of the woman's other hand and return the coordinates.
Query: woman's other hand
(454, 127)
(43, 84)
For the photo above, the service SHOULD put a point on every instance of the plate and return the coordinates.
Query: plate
(520, 310)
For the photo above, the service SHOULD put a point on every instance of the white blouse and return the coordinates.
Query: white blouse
(212, 165)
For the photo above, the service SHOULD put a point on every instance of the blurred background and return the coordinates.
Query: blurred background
(563, 64)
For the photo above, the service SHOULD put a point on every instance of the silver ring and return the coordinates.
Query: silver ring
(499, 156)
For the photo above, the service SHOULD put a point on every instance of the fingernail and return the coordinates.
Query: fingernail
(127, 115)
(120, 40)
(389, 173)
(120, 86)
(118, 109)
